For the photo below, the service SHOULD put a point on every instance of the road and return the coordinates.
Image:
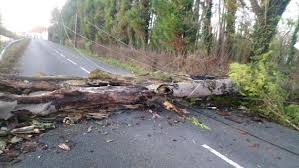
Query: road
(47, 58)
(138, 140)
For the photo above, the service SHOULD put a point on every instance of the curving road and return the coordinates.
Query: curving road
(44, 57)
(140, 141)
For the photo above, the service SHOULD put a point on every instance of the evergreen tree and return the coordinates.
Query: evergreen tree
(172, 25)
(139, 18)
(121, 27)
(231, 7)
(207, 28)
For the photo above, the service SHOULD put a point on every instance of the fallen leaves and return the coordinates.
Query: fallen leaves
(89, 129)
(104, 133)
(35, 128)
(72, 118)
(225, 113)
(242, 132)
(97, 116)
(155, 114)
(109, 140)
(64, 147)
(26, 130)
(3, 132)
(234, 119)
(195, 121)
(2, 145)
(254, 145)
(169, 106)
(16, 139)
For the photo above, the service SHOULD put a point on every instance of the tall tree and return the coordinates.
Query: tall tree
(121, 27)
(139, 18)
(172, 25)
(0, 29)
(56, 31)
(231, 7)
(197, 22)
(110, 14)
(207, 27)
(292, 50)
(268, 14)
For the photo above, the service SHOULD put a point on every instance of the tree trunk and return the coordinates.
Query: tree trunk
(207, 28)
(44, 98)
(200, 88)
(146, 14)
(63, 99)
(268, 15)
(292, 50)
(231, 7)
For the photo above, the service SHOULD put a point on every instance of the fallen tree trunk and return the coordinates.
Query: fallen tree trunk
(60, 100)
(65, 94)
(18, 87)
(199, 88)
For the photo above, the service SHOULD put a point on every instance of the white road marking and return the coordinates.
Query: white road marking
(85, 70)
(56, 51)
(72, 62)
(222, 156)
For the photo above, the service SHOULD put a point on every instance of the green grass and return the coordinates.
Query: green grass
(12, 55)
(119, 63)
(132, 67)
(292, 113)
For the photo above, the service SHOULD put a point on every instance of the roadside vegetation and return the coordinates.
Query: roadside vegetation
(12, 55)
(130, 66)
(117, 62)
(179, 37)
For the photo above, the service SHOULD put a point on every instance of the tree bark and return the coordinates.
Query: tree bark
(207, 28)
(44, 98)
(46, 103)
(268, 16)
(200, 88)
(231, 7)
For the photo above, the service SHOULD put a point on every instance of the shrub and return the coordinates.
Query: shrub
(263, 81)
(292, 112)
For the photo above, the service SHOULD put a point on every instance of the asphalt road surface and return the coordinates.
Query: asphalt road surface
(47, 58)
(135, 139)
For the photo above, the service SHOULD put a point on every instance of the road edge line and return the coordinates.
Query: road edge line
(226, 159)
(85, 70)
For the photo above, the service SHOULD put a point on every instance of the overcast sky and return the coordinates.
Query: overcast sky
(23, 15)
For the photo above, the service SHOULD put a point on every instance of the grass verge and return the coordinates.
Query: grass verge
(12, 55)
(135, 69)
(113, 61)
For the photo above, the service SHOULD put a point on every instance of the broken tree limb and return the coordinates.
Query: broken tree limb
(38, 78)
(199, 88)
(77, 97)
(101, 90)
(18, 87)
